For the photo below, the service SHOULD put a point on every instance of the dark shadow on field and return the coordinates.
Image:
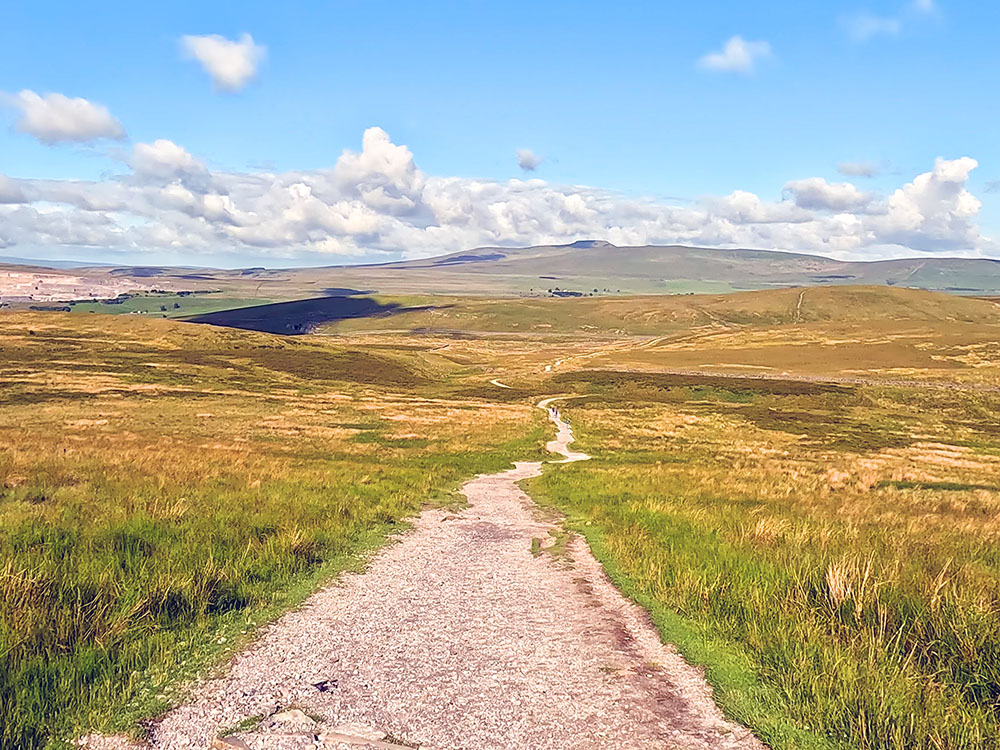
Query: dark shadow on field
(302, 316)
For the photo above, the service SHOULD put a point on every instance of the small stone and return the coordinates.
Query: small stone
(292, 716)
(229, 743)
(360, 731)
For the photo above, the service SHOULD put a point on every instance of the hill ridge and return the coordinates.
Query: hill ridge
(586, 266)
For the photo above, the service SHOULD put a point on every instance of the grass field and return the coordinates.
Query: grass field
(817, 532)
(826, 549)
(665, 315)
(867, 333)
(164, 487)
(829, 552)
(168, 305)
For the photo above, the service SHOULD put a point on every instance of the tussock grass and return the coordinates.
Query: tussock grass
(164, 487)
(831, 555)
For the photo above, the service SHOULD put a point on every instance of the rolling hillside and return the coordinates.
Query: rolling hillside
(580, 267)
(675, 268)
(874, 333)
(660, 315)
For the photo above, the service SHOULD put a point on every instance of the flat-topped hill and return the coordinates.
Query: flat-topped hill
(583, 267)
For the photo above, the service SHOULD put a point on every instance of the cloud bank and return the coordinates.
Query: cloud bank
(377, 204)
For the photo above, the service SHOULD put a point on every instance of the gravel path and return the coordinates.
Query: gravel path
(458, 636)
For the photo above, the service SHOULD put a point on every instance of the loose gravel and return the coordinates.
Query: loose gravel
(459, 635)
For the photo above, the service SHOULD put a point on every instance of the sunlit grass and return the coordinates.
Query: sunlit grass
(842, 540)
(164, 488)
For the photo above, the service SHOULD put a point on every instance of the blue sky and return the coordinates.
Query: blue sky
(615, 97)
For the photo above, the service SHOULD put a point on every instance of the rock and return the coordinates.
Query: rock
(229, 743)
(292, 716)
(361, 731)
(338, 741)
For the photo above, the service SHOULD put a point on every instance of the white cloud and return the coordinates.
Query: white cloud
(737, 56)
(816, 193)
(863, 26)
(163, 159)
(527, 159)
(936, 211)
(858, 169)
(10, 191)
(55, 118)
(377, 204)
(742, 207)
(231, 64)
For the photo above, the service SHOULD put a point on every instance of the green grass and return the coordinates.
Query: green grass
(833, 566)
(827, 551)
(737, 685)
(165, 488)
(168, 305)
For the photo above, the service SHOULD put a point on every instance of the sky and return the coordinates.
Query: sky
(321, 132)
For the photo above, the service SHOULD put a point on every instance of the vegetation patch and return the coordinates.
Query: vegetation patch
(649, 383)
(938, 486)
(837, 576)
(156, 509)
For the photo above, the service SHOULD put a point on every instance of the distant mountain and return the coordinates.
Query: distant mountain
(591, 264)
(35, 263)
(583, 267)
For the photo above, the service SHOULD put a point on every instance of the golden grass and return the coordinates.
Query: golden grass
(843, 541)
(161, 483)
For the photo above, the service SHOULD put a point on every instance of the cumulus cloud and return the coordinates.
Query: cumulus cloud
(527, 159)
(231, 64)
(817, 193)
(376, 203)
(858, 168)
(741, 207)
(737, 56)
(163, 159)
(56, 118)
(935, 212)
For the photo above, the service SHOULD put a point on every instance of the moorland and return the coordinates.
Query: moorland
(800, 485)
(582, 268)
(166, 487)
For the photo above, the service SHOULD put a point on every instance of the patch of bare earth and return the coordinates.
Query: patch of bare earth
(458, 636)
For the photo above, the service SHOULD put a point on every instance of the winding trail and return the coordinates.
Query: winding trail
(458, 636)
